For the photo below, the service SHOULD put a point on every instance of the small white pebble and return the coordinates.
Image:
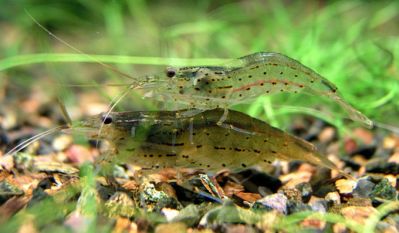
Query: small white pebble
(334, 197)
(62, 142)
(169, 214)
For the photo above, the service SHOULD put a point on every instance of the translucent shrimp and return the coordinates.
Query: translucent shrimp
(154, 140)
(243, 80)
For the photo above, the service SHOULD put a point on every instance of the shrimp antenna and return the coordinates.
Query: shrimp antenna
(97, 85)
(388, 127)
(39, 136)
(33, 139)
(112, 68)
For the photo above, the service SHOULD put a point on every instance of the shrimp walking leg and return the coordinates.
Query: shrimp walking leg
(224, 117)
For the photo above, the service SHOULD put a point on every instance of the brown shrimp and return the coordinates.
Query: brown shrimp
(155, 140)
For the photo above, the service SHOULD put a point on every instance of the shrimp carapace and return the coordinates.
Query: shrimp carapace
(154, 140)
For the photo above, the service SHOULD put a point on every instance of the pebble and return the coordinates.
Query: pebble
(190, 215)
(62, 142)
(306, 191)
(249, 197)
(359, 214)
(166, 188)
(239, 229)
(386, 227)
(269, 221)
(6, 162)
(8, 190)
(350, 145)
(381, 166)
(365, 135)
(394, 158)
(327, 134)
(171, 227)
(8, 120)
(314, 224)
(123, 225)
(392, 179)
(200, 231)
(384, 190)
(367, 151)
(229, 213)
(119, 172)
(295, 206)
(345, 186)
(23, 160)
(170, 214)
(231, 188)
(120, 204)
(254, 179)
(333, 197)
(275, 201)
(156, 200)
(363, 188)
(295, 178)
(292, 194)
(79, 154)
(318, 204)
(390, 142)
(50, 166)
(78, 222)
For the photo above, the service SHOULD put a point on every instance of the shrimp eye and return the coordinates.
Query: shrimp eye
(170, 73)
(107, 120)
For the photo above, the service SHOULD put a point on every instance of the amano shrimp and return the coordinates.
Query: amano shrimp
(156, 140)
(243, 80)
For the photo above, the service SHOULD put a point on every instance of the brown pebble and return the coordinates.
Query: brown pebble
(79, 154)
(293, 179)
(350, 145)
(390, 142)
(359, 214)
(345, 186)
(292, 194)
(313, 223)
(177, 227)
(240, 229)
(394, 158)
(366, 136)
(232, 188)
(327, 134)
(166, 188)
(125, 225)
(249, 197)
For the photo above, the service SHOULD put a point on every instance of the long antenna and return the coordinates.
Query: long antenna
(33, 139)
(113, 69)
(64, 112)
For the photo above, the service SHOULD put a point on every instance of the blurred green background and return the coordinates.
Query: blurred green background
(352, 43)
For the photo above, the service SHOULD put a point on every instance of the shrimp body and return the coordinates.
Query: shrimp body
(243, 80)
(154, 140)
